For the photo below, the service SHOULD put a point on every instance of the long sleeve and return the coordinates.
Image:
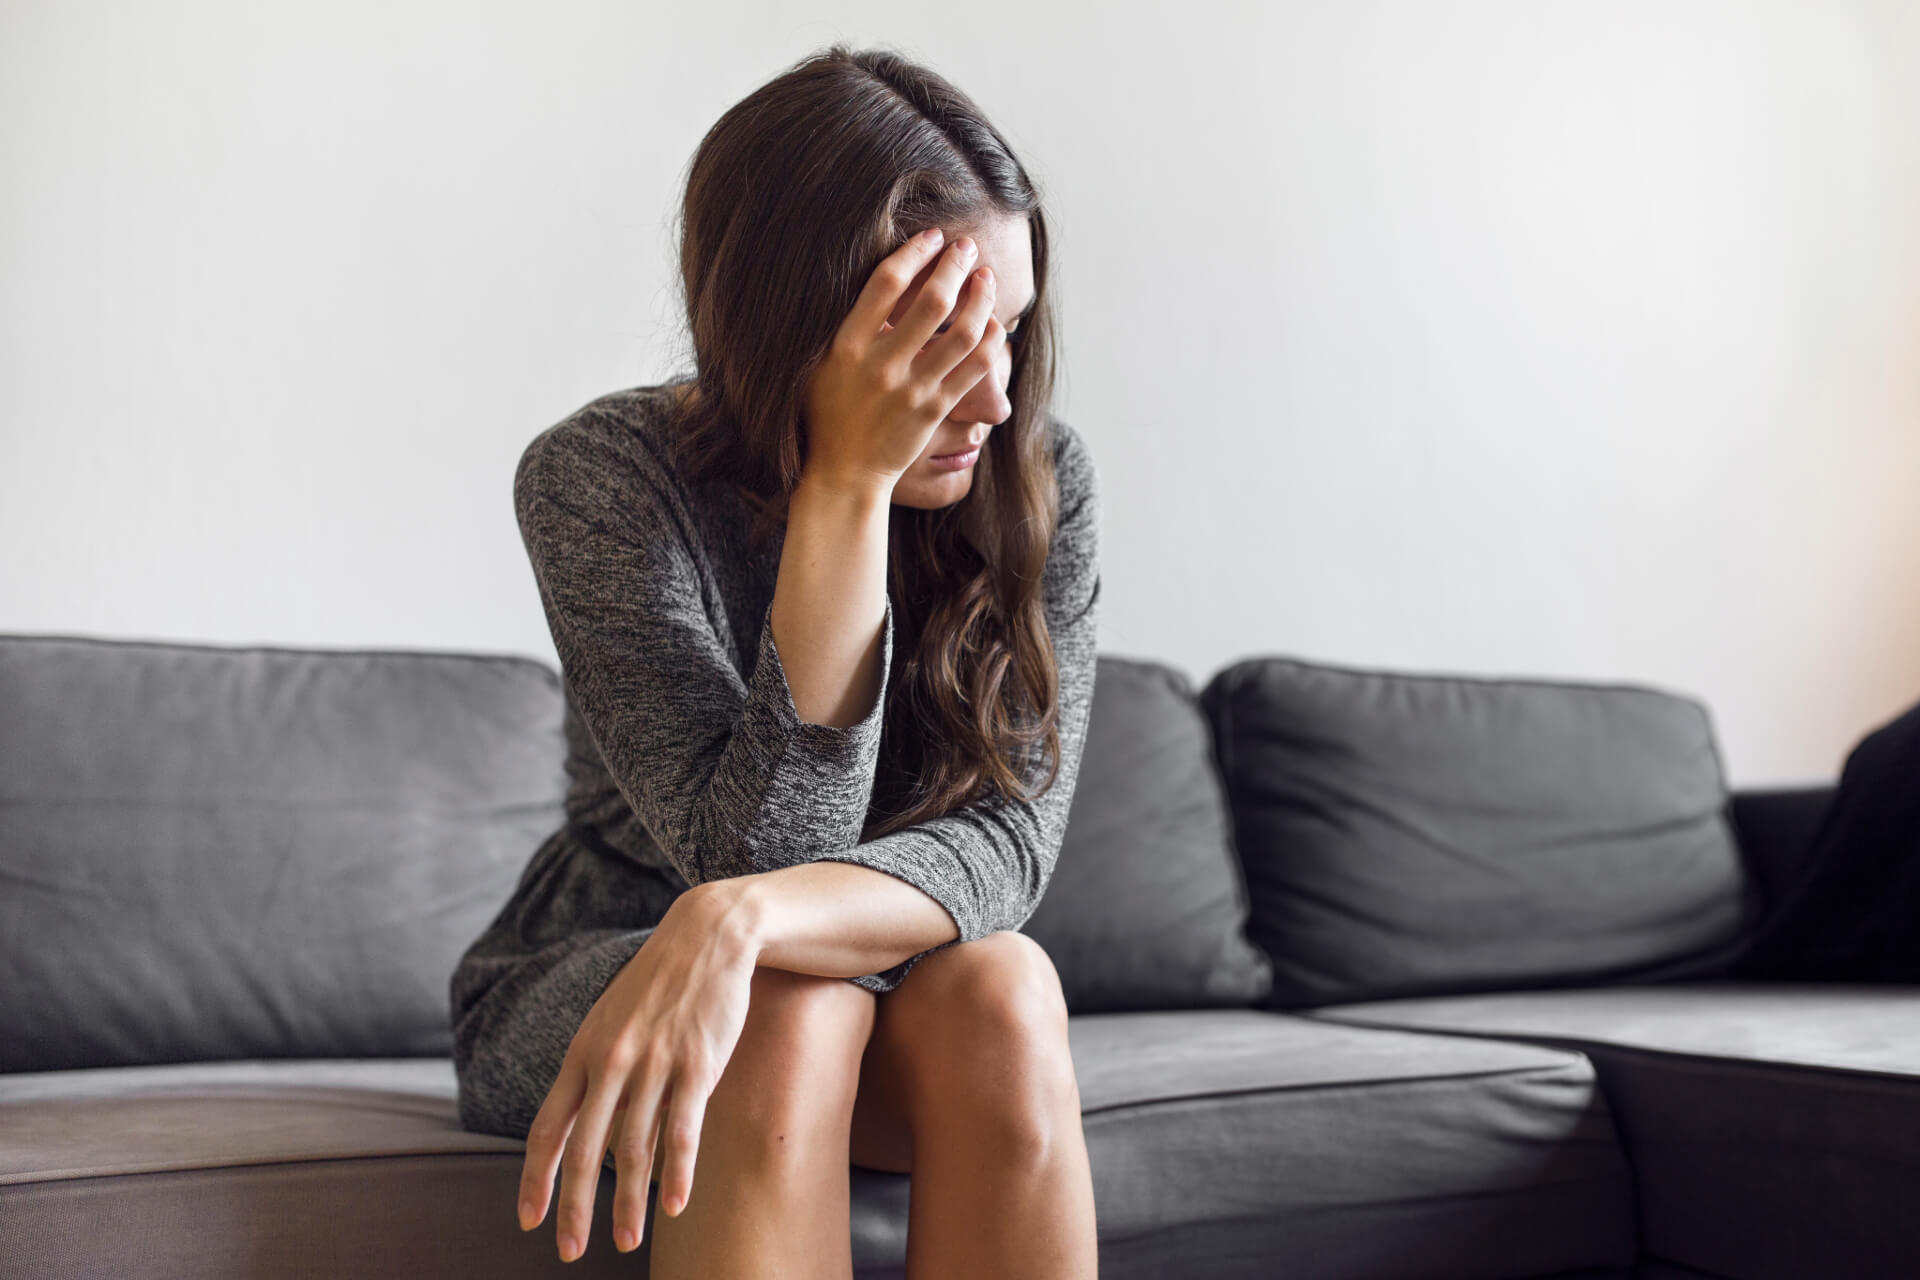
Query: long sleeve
(721, 770)
(988, 863)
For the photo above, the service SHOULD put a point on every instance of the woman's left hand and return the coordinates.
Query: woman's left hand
(653, 1045)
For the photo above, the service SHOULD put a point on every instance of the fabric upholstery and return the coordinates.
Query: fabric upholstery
(1147, 909)
(1408, 834)
(1243, 1143)
(236, 880)
(1775, 826)
(248, 852)
(1772, 1126)
(1271, 1144)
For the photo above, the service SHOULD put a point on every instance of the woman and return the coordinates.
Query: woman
(826, 617)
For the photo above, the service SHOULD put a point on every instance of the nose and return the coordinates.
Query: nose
(984, 406)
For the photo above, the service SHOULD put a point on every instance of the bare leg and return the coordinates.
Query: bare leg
(770, 1187)
(968, 1080)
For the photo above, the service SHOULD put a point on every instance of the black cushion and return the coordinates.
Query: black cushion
(1146, 908)
(1411, 834)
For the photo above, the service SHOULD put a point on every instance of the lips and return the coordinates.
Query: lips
(957, 452)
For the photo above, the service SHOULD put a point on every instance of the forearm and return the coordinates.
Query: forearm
(833, 919)
(829, 601)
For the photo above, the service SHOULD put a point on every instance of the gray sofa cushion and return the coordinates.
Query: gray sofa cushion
(1238, 1141)
(1772, 1125)
(216, 852)
(1411, 834)
(1146, 908)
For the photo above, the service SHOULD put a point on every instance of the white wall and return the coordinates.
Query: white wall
(1569, 340)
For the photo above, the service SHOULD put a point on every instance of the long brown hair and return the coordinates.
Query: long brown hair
(792, 199)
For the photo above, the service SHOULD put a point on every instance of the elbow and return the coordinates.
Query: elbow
(1013, 909)
(1010, 916)
(705, 850)
(719, 847)
(1039, 874)
(705, 853)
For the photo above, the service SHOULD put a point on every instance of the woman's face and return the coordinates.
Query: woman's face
(1005, 250)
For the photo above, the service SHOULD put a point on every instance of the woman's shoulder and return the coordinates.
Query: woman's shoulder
(1073, 465)
(1073, 560)
(611, 451)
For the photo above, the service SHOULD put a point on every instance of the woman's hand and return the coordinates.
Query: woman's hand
(875, 400)
(657, 1040)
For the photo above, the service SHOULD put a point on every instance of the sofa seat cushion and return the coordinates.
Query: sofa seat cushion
(1772, 1125)
(109, 1121)
(1247, 1142)
(272, 1167)
(1223, 1142)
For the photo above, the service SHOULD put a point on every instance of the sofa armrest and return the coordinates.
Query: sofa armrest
(1775, 827)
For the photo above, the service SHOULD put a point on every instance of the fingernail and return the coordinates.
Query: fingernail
(569, 1248)
(527, 1211)
(931, 234)
(624, 1238)
(672, 1204)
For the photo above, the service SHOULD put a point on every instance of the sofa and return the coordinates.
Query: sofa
(1372, 974)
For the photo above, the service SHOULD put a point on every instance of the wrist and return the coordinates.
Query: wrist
(734, 910)
(856, 494)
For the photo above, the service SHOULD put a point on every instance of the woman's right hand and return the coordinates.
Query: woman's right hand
(654, 1044)
(882, 389)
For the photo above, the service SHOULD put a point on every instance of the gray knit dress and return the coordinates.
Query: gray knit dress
(686, 760)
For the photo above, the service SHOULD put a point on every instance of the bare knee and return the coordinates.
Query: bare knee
(790, 1081)
(985, 1041)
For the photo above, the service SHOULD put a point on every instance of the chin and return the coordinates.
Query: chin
(930, 494)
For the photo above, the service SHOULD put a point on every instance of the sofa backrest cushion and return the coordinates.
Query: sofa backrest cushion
(1412, 834)
(215, 852)
(1146, 908)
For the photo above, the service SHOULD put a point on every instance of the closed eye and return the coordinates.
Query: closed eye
(1018, 327)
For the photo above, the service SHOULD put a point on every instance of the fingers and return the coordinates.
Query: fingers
(976, 340)
(545, 1139)
(634, 1159)
(686, 1111)
(934, 304)
(685, 1108)
(890, 281)
(582, 1161)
